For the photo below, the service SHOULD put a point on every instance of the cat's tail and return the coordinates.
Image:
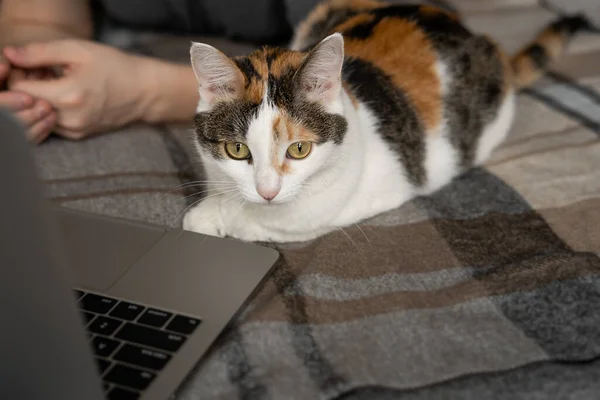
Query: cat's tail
(530, 63)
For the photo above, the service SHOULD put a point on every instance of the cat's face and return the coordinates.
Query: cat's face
(272, 120)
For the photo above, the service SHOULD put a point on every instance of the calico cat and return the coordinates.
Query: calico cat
(373, 105)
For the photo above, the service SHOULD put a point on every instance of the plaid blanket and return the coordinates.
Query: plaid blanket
(488, 289)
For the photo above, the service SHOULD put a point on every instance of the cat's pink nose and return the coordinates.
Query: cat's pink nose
(268, 193)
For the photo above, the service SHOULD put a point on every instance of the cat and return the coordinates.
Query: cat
(372, 105)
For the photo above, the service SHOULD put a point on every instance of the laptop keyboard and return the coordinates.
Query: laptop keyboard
(132, 343)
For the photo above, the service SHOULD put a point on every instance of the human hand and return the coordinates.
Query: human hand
(36, 114)
(99, 87)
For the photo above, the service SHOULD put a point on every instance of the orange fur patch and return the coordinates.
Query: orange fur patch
(285, 61)
(255, 91)
(353, 21)
(403, 51)
(278, 126)
(304, 135)
(281, 61)
(289, 128)
(276, 130)
(553, 42)
(255, 88)
(285, 128)
(525, 71)
(257, 59)
(321, 12)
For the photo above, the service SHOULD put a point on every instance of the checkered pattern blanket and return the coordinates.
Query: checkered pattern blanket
(490, 288)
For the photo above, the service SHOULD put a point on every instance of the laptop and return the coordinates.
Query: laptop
(101, 308)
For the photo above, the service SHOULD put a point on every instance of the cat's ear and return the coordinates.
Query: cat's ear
(320, 77)
(218, 76)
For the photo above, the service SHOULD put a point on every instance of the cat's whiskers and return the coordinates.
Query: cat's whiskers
(196, 183)
(307, 210)
(364, 234)
(233, 199)
(349, 238)
(209, 190)
(202, 199)
(239, 203)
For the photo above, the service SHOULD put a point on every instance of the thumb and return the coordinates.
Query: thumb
(42, 54)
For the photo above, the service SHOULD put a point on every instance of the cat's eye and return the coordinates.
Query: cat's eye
(299, 150)
(237, 151)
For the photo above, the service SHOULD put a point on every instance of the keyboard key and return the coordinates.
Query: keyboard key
(183, 324)
(146, 358)
(87, 317)
(78, 294)
(127, 311)
(155, 317)
(130, 377)
(122, 394)
(104, 347)
(97, 304)
(104, 325)
(150, 337)
(102, 364)
(106, 386)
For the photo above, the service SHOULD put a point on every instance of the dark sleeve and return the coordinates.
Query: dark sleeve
(297, 10)
(256, 20)
(253, 20)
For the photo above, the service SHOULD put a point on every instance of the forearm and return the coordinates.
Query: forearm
(26, 20)
(170, 91)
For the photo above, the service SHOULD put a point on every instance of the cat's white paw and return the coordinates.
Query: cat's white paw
(205, 218)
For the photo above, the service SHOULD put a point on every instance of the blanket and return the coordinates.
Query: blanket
(488, 289)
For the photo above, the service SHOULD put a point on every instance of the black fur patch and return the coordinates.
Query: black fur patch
(244, 64)
(443, 31)
(281, 89)
(399, 123)
(323, 27)
(538, 55)
(226, 122)
(329, 127)
(474, 95)
(361, 31)
(272, 54)
(572, 24)
(443, 5)
(229, 121)
(285, 93)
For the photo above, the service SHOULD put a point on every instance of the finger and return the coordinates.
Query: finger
(42, 129)
(15, 101)
(42, 54)
(50, 90)
(34, 114)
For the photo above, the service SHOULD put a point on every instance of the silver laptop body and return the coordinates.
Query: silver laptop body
(162, 295)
